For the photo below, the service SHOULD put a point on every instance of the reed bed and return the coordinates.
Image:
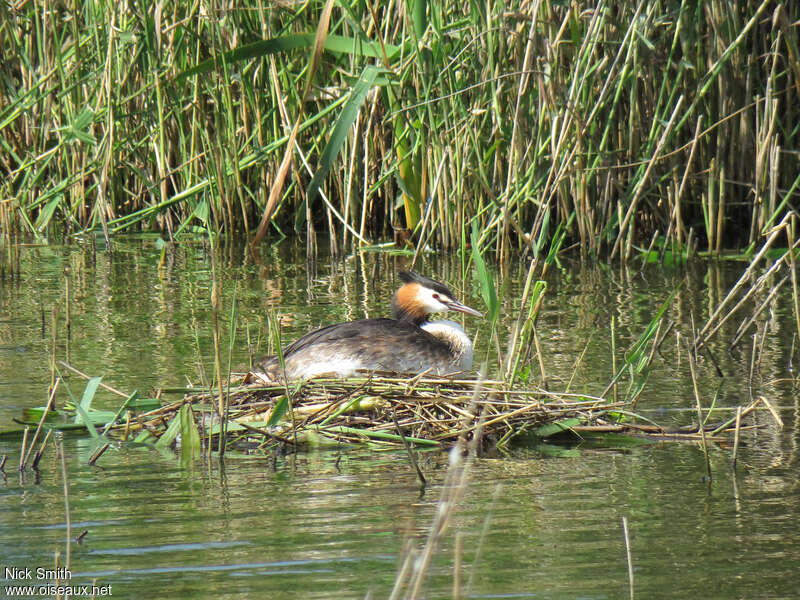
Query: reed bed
(385, 411)
(629, 127)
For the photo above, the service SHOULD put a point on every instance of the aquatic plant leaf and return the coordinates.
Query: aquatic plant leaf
(18, 432)
(173, 429)
(351, 406)
(488, 291)
(144, 403)
(277, 413)
(43, 220)
(190, 437)
(382, 435)
(128, 403)
(86, 400)
(144, 437)
(86, 420)
(557, 427)
(34, 415)
(89, 391)
(333, 43)
(632, 357)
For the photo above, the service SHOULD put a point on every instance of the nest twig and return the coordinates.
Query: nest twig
(385, 409)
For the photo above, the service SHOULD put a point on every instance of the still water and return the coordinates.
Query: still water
(533, 523)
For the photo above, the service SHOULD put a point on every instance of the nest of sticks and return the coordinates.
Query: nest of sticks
(389, 410)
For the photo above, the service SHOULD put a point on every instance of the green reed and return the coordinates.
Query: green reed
(656, 123)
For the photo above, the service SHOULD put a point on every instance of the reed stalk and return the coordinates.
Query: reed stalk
(628, 558)
(700, 419)
(538, 115)
(67, 517)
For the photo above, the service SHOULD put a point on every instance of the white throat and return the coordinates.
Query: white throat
(452, 333)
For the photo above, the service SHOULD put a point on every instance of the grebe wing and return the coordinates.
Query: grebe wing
(369, 344)
(373, 330)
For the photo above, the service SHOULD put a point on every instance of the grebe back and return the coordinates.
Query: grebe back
(408, 343)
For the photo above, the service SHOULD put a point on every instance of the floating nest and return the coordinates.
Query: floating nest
(385, 410)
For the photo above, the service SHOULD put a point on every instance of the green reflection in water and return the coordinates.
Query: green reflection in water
(333, 525)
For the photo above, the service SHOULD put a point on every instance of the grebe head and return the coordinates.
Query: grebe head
(421, 296)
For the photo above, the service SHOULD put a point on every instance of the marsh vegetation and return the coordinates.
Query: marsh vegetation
(485, 143)
(623, 126)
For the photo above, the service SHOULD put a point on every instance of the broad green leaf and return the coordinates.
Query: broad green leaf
(86, 420)
(340, 131)
(277, 413)
(88, 396)
(190, 437)
(333, 43)
(173, 429)
(557, 427)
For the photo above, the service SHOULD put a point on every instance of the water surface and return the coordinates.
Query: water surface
(535, 523)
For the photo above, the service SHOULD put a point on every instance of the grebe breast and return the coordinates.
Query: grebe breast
(452, 334)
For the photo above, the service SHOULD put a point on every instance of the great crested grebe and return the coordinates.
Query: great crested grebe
(408, 343)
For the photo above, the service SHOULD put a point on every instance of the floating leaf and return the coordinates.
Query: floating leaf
(557, 427)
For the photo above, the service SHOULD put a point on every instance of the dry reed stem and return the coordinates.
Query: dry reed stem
(40, 451)
(23, 447)
(745, 325)
(700, 419)
(793, 271)
(711, 327)
(87, 377)
(39, 426)
(60, 448)
(628, 558)
(736, 436)
(772, 411)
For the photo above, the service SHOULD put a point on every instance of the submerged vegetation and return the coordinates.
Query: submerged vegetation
(657, 124)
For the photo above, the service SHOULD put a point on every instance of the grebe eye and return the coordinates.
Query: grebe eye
(436, 296)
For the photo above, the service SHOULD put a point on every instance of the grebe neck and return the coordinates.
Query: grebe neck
(454, 336)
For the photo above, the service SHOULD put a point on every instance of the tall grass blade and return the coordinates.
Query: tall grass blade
(340, 132)
(488, 290)
(332, 43)
(277, 186)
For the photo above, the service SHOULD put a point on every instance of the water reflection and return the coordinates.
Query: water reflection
(334, 525)
(340, 521)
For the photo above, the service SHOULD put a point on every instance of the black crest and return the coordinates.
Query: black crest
(414, 277)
